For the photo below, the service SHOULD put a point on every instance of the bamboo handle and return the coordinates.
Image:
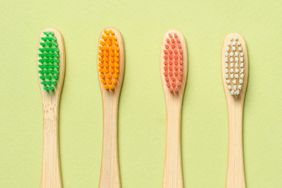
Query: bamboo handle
(110, 168)
(51, 176)
(235, 172)
(173, 169)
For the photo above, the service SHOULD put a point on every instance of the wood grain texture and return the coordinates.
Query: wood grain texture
(235, 106)
(173, 177)
(109, 174)
(51, 174)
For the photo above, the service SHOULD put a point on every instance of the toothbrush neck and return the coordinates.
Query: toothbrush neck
(235, 174)
(173, 165)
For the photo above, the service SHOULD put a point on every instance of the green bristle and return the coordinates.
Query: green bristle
(48, 50)
(49, 38)
(48, 55)
(49, 60)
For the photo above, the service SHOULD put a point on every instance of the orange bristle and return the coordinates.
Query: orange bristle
(173, 63)
(108, 58)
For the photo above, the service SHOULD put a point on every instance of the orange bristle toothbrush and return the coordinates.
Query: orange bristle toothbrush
(111, 70)
(235, 77)
(173, 73)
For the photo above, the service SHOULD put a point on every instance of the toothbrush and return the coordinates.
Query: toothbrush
(173, 73)
(51, 63)
(235, 78)
(111, 70)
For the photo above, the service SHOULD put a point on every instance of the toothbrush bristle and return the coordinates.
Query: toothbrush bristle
(48, 62)
(108, 59)
(173, 62)
(234, 63)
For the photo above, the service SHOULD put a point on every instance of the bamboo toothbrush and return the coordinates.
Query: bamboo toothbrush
(111, 70)
(51, 63)
(235, 78)
(173, 73)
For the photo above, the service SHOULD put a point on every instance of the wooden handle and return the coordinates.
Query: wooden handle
(51, 176)
(109, 177)
(173, 170)
(235, 172)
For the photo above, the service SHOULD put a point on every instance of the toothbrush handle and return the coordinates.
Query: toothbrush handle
(109, 177)
(235, 172)
(173, 165)
(51, 176)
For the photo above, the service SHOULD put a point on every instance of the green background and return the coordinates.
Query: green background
(142, 111)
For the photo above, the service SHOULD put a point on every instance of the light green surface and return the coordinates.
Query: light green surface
(142, 113)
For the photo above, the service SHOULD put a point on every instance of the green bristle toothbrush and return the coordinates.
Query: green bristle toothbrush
(51, 63)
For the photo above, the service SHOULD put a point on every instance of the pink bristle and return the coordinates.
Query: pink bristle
(173, 61)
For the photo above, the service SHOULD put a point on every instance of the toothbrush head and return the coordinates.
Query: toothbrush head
(234, 64)
(110, 59)
(51, 60)
(174, 62)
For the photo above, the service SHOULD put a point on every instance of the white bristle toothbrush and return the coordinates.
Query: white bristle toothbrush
(111, 70)
(173, 75)
(51, 63)
(235, 79)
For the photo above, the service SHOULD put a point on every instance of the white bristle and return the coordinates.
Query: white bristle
(234, 66)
